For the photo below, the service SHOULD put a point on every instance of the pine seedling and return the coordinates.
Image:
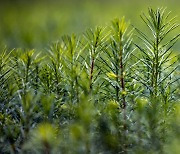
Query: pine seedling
(56, 54)
(116, 58)
(71, 66)
(6, 90)
(95, 44)
(154, 71)
(26, 63)
(156, 51)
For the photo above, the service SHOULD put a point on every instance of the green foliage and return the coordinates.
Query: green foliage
(98, 93)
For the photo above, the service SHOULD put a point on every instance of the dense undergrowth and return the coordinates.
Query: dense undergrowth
(108, 91)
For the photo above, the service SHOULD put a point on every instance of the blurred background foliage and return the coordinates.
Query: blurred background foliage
(37, 23)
